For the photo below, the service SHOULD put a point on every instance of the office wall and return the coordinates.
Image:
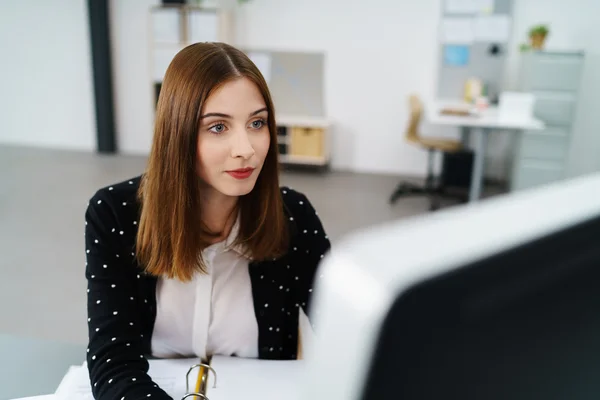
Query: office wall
(377, 53)
(131, 74)
(574, 25)
(47, 90)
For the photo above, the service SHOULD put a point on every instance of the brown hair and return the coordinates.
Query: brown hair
(171, 237)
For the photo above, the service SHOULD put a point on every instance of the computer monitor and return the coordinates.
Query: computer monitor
(498, 300)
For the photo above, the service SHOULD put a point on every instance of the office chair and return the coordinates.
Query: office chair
(432, 145)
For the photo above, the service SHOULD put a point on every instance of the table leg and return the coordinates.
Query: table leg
(478, 164)
(465, 136)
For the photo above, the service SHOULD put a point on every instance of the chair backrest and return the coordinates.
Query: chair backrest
(416, 112)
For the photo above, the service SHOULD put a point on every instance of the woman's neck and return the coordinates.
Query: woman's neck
(218, 214)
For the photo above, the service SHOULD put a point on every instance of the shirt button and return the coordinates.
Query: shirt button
(265, 349)
(262, 313)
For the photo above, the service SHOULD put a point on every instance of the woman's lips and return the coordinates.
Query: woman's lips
(242, 173)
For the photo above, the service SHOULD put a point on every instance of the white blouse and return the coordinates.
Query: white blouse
(213, 313)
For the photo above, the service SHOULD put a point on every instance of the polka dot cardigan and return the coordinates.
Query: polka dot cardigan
(122, 298)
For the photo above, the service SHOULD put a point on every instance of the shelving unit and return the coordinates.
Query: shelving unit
(173, 27)
(303, 140)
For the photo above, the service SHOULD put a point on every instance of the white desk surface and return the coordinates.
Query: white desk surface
(488, 118)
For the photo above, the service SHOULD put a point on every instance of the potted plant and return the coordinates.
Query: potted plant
(537, 36)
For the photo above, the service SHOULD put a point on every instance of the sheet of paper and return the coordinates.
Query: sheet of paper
(45, 397)
(307, 333)
(162, 58)
(169, 375)
(75, 385)
(469, 6)
(263, 62)
(457, 30)
(493, 28)
(203, 26)
(250, 379)
(456, 55)
(165, 26)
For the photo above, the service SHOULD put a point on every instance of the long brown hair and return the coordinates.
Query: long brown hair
(171, 238)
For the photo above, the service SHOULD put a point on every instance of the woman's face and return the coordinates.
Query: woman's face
(234, 138)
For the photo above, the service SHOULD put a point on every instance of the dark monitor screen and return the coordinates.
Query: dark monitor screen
(523, 324)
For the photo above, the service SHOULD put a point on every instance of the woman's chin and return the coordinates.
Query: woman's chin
(237, 188)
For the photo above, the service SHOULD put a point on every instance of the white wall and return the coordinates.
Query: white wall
(573, 25)
(47, 90)
(133, 91)
(378, 52)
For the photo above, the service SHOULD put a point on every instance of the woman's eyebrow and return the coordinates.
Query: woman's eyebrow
(259, 111)
(227, 116)
(220, 115)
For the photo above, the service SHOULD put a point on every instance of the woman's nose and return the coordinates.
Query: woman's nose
(241, 146)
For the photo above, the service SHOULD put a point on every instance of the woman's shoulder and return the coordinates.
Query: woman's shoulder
(299, 208)
(293, 199)
(120, 193)
(116, 205)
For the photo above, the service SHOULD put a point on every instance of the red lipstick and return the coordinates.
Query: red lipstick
(242, 173)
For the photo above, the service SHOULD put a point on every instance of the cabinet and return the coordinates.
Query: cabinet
(303, 140)
(176, 26)
(553, 77)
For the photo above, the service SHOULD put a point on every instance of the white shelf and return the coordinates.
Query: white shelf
(303, 121)
(303, 160)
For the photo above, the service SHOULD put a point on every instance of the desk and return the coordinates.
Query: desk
(481, 124)
(34, 366)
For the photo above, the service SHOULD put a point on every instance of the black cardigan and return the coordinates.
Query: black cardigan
(122, 298)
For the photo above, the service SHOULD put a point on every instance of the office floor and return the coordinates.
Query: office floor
(43, 197)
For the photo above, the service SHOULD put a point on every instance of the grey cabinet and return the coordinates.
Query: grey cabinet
(553, 78)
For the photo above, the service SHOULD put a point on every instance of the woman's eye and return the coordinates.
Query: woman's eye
(218, 128)
(258, 124)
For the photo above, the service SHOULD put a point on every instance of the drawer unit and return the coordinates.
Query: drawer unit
(554, 109)
(303, 140)
(552, 144)
(554, 78)
(551, 71)
(536, 173)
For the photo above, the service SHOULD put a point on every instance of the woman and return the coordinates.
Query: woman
(204, 254)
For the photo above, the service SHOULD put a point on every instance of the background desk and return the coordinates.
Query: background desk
(34, 366)
(480, 125)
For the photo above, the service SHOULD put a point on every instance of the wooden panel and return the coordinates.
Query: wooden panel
(307, 142)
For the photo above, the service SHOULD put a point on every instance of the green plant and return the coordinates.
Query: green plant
(539, 30)
(524, 47)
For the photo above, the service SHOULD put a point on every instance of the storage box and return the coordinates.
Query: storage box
(307, 142)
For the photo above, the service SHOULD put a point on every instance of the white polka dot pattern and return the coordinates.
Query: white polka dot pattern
(122, 303)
